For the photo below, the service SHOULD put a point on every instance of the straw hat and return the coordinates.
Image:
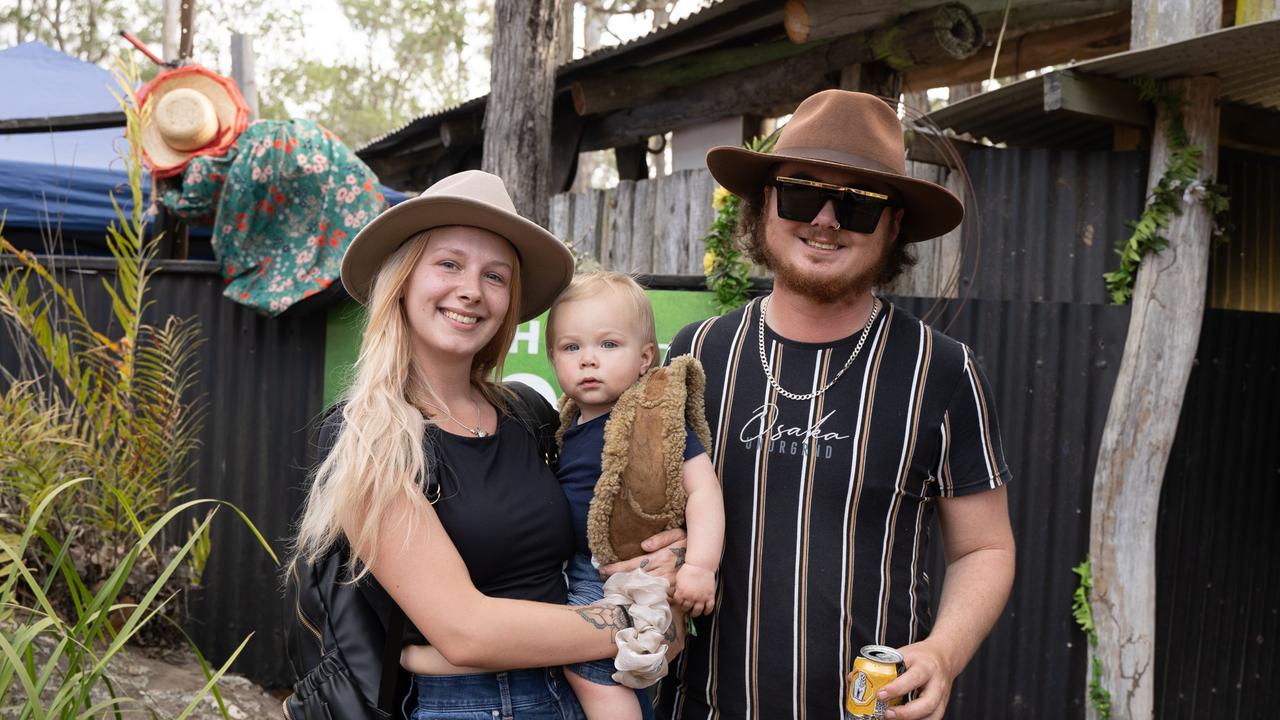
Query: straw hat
(473, 198)
(850, 131)
(194, 111)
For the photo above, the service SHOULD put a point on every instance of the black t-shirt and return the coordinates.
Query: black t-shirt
(504, 511)
(828, 504)
(580, 461)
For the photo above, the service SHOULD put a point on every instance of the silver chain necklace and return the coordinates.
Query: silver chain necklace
(768, 370)
(477, 430)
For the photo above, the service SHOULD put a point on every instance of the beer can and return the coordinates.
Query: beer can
(875, 667)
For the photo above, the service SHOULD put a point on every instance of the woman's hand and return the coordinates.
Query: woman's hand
(665, 556)
(695, 590)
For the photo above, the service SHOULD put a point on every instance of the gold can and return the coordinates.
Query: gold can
(875, 667)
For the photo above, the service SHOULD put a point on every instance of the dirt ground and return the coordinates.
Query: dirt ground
(165, 683)
(160, 684)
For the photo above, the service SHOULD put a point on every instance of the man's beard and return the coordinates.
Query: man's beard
(823, 290)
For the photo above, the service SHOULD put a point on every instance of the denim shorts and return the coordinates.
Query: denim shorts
(586, 587)
(540, 694)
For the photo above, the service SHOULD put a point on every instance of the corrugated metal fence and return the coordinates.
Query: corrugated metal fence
(262, 381)
(1036, 317)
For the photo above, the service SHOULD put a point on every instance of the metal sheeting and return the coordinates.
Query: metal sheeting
(1217, 579)
(1050, 220)
(1246, 59)
(1244, 273)
(262, 381)
(1052, 367)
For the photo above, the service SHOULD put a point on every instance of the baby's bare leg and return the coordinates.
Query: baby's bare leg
(604, 702)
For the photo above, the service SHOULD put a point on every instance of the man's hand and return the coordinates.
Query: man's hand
(665, 556)
(929, 673)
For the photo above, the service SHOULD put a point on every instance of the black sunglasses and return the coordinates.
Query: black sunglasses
(856, 210)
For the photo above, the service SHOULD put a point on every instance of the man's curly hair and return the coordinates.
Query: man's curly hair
(750, 233)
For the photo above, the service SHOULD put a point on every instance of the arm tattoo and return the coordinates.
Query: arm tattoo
(605, 616)
(670, 634)
(679, 553)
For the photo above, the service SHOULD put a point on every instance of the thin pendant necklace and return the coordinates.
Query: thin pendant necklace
(477, 430)
(768, 370)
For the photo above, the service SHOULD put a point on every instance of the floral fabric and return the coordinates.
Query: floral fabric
(284, 202)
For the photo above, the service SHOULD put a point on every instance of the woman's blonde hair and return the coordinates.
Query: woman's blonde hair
(379, 458)
(591, 285)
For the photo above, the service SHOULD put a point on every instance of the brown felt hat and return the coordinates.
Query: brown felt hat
(473, 198)
(850, 131)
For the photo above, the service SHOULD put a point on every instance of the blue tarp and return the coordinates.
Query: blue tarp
(61, 181)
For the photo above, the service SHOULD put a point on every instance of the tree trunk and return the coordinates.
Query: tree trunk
(1164, 330)
(517, 119)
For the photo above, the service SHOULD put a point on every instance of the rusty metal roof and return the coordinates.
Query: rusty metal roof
(1246, 58)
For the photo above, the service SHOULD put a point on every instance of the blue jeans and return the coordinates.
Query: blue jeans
(540, 694)
(586, 587)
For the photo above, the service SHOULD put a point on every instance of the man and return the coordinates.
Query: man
(840, 426)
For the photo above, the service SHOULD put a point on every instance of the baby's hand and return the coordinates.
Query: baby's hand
(695, 589)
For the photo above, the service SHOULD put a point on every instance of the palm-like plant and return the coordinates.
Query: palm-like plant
(97, 429)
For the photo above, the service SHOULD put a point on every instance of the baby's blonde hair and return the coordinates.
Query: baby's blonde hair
(594, 283)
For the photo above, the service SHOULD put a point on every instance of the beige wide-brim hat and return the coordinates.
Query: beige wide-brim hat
(474, 198)
(194, 111)
(853, 132)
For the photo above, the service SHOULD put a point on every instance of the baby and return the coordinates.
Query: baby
(601, 338)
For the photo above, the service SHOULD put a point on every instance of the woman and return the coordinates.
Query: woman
(446, 278)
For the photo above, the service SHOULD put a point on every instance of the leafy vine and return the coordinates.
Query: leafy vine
(1099, 696)
(728, 271)
(1178, 185)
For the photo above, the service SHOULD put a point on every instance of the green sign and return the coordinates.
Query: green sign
(526, 360)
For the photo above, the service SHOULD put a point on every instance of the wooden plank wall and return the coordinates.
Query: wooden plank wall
(656, 226)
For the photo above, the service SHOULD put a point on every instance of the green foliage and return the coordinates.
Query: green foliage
(1080, 609)
(1178, 185)
(85, 29)
(1099, 696)
(414, 59)
(54, 658)
(113, 404)
(728, 271)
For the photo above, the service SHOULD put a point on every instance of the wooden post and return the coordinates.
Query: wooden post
(631, 161)
(169, 31)
(187, 19)
(517, 119)
(242, 72)
(1164, 330)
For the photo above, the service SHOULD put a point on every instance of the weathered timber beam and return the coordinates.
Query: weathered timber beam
(1095, 98)
(1247, 128)
(925, 146)
(62, 123)
(462, 131)
(629, 88)
(1023, 51)
(914, 41)
(810, 20)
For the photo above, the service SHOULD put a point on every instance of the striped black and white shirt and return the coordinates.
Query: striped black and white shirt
(828, 504)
